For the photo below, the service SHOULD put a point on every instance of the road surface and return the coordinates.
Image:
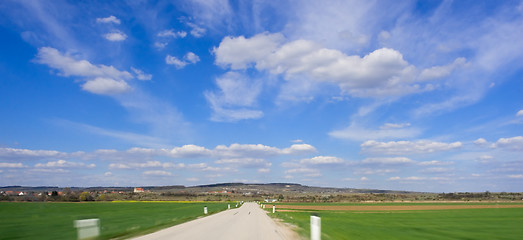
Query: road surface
(247, 222)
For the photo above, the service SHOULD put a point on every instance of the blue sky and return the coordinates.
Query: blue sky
(409, 95)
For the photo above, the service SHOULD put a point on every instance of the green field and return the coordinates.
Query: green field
(25, 220)
(491, 223)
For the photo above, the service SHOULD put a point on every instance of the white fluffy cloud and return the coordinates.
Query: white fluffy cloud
(413, 178)
(172, 33)
(189, 58)
(387, 160)
(480, 141)
(64, 164)
(407, 147)
(140, 75)
(357, 133)
(520, 113)
(320, 160)
(196, 31)
(12, 165)
(246, 162)
(513, 143)
(115, 36)
(101, 79)
(158, 173)
(380, 73)
(106, 86)
(16, 153)
(110, 19)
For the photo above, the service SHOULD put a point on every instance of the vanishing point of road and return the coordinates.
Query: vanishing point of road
(246, 222)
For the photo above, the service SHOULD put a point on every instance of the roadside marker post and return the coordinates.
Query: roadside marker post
(315, 228)
(205, 210)
(87, 228)
(228, 206)
(273, 208)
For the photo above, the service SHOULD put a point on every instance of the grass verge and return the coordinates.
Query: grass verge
(24, 220)
(492, 223)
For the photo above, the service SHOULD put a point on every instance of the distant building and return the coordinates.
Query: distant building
(270, 200)
(138, 189)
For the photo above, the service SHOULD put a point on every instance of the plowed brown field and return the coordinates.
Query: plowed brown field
(392, 208)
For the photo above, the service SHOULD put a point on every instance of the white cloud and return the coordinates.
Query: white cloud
(407, 147)
(245, 162)
(437, 170)
(172, 33)
(140, 75)
(302, 148)
(381, 73)
(101, 79)
(441, 71)
(235, 99)
(190, 151)
(68, 66)
(357, 133)
(394, 125)
(196, 31)
(118, 166)
(115, 36)
(157, 173)
(301, 170)
(364, 179)
(434, 163)
(175, 61)
(64, 164)
(264, 170)
(307, 172)
(239, 53)
(322, 160)
(108, 174)
(110, 19)
(189, 58)
(160, 45)
(480, 142)
(514, 143)
(106, 86)
(413, 178)
(16, 153)
(12, 165)
(516, 176)
(236, 150)
(520, 113)
(387, 160)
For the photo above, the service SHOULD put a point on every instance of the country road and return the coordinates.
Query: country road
(247, 222)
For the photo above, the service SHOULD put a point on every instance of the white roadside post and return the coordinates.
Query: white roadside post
(228, 206)
(205, 210)
(273, 208)
(315, 228)
(87, 228)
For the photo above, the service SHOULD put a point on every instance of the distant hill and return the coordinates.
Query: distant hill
(258, 188)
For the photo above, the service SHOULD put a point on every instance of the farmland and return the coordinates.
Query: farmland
(24, 220)
(407, 221)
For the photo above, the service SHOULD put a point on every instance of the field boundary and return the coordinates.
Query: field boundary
(392, 208)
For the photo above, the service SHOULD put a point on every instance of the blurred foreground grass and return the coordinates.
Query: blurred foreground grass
(26, 220)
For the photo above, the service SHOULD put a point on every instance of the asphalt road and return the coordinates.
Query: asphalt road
(247, 222)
